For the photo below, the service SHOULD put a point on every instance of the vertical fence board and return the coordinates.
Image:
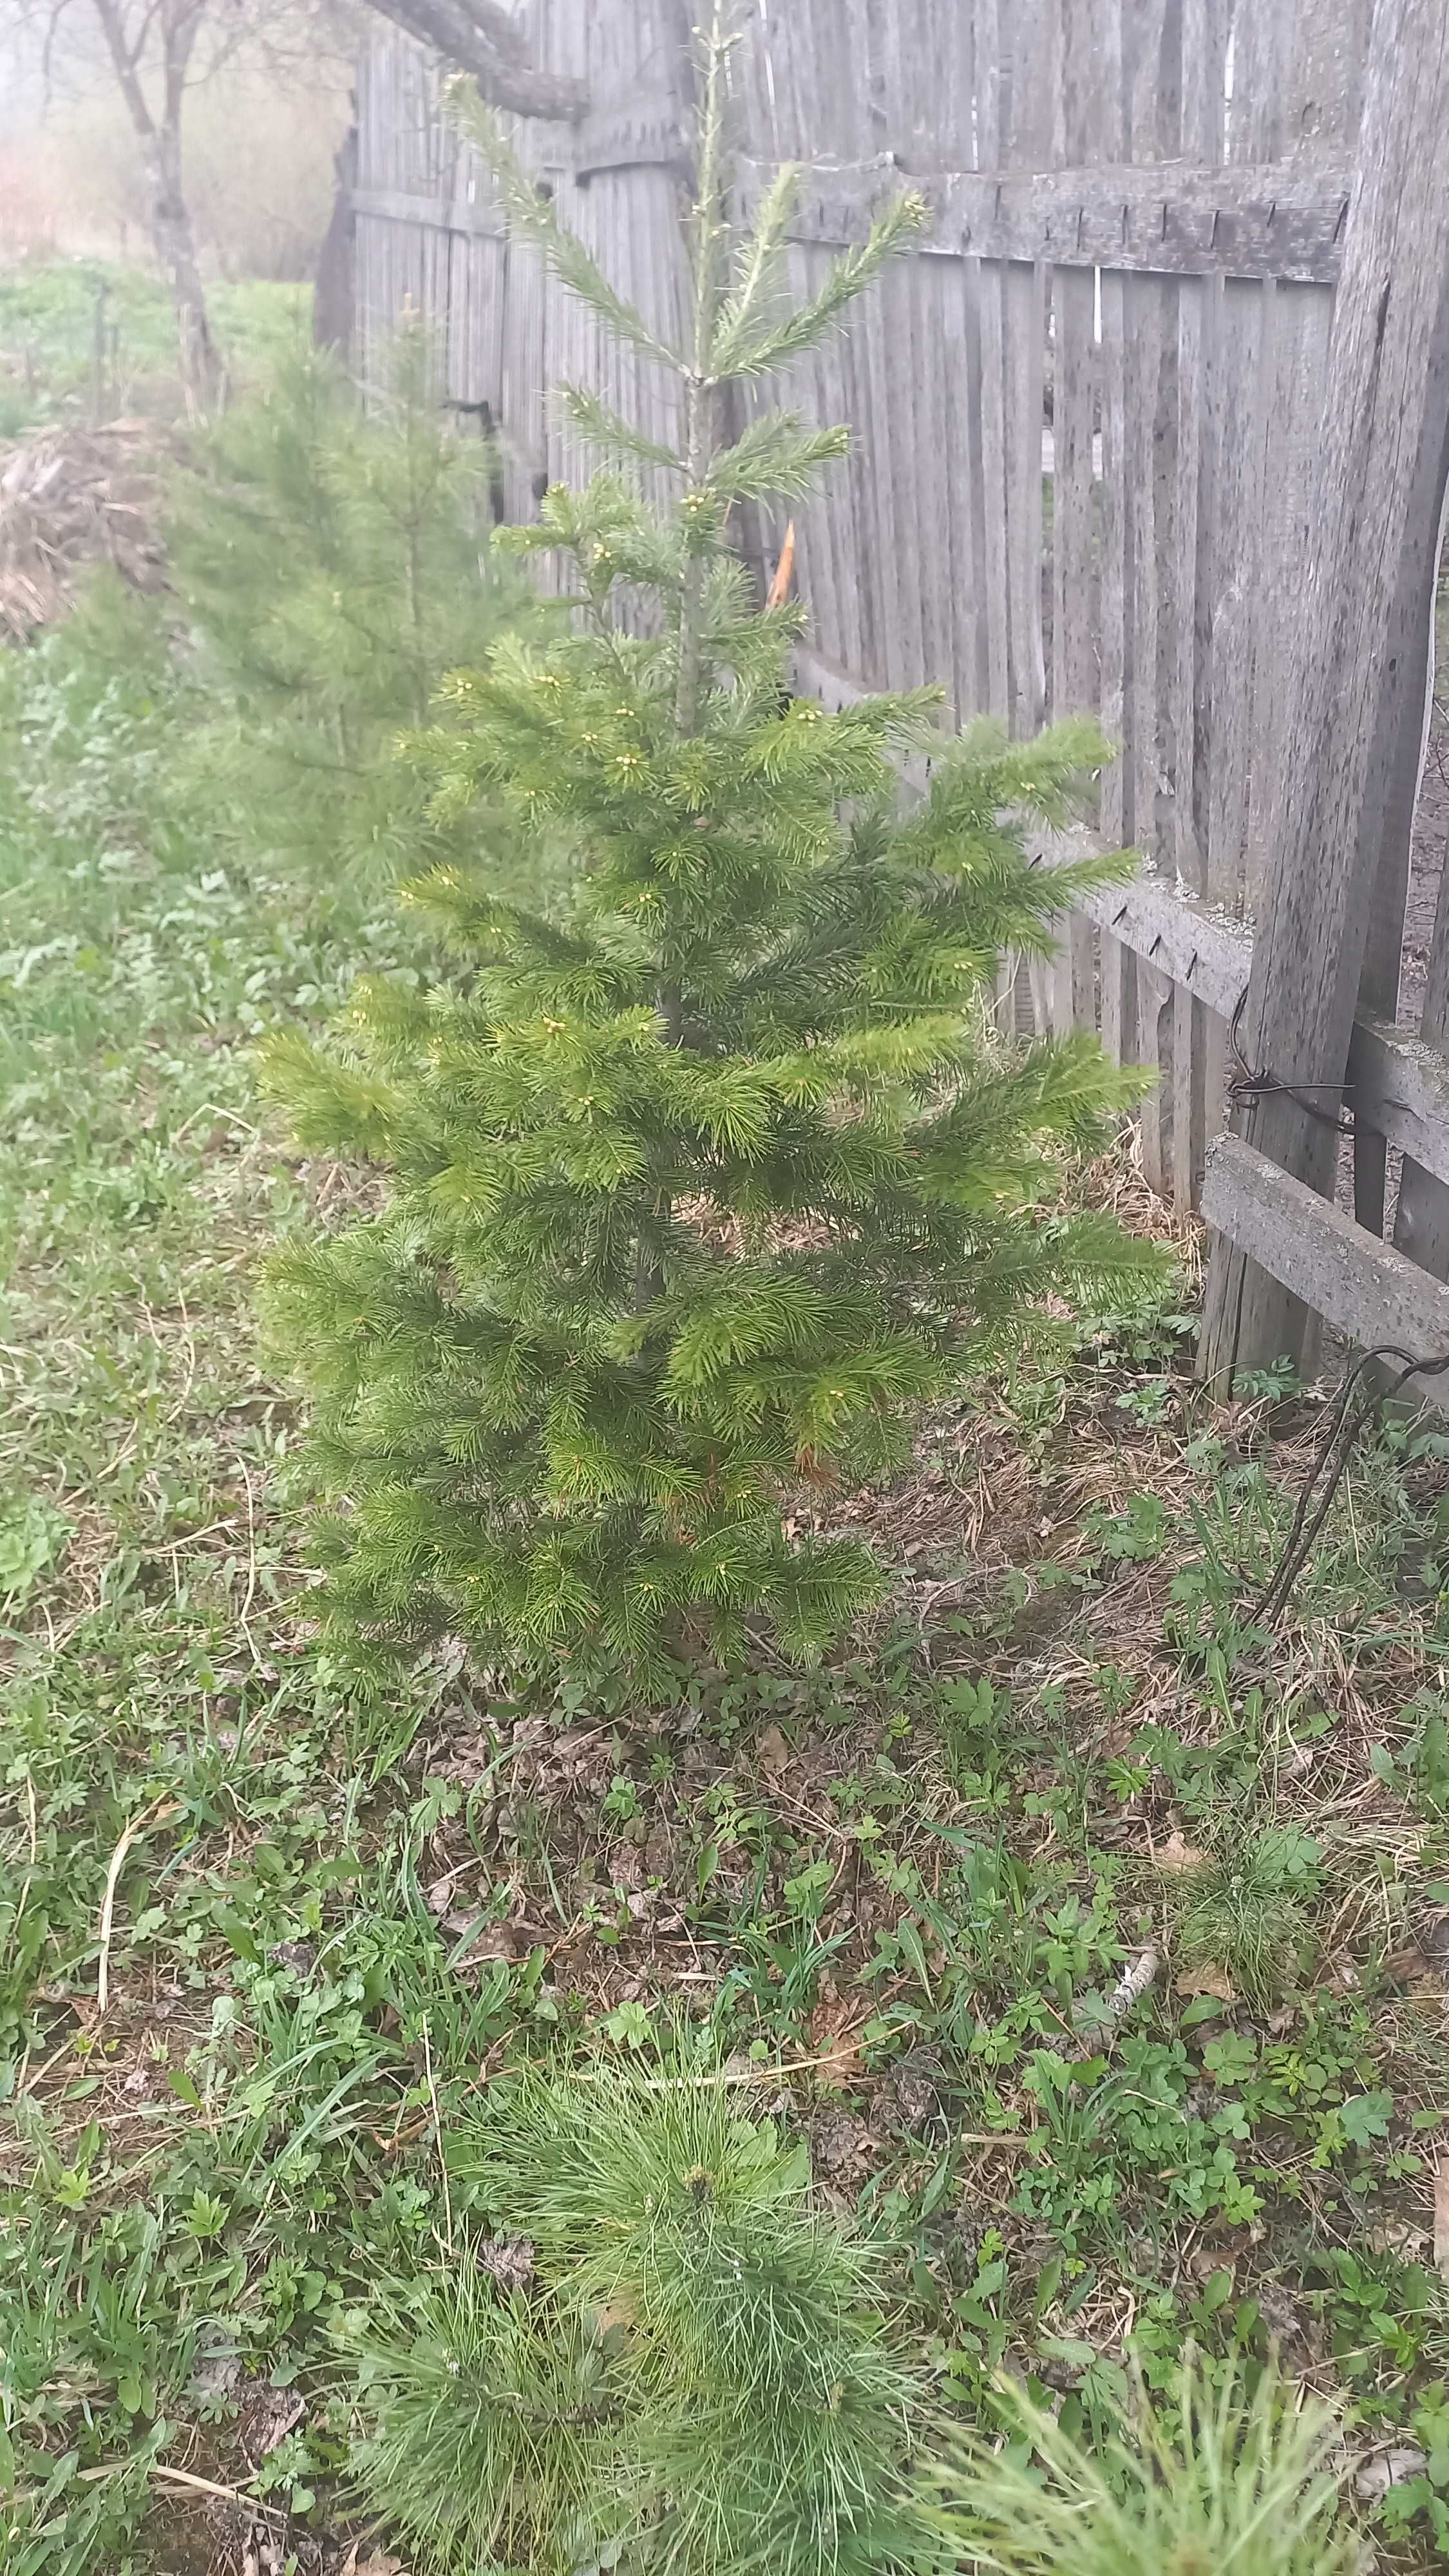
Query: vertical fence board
(817, 529)
(1024, 311)
(1117, 784)
(1189, 838)
(1151, 561)
(1074, 656)
(1075, 677)
(1142, 374)
(988, 84)
(1237, 441)
(853, 492)
(933, 287)
(1118, 965)
(1190, 1061)
(1204, 50)
(984, 296)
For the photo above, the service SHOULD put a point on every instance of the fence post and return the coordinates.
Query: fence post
(1388, 404)
(1409, 714)
(1421, 1221)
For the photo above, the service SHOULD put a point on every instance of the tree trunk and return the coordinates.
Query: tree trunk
(335, 290)
(176, 250)
(481, 37)
(159, 137)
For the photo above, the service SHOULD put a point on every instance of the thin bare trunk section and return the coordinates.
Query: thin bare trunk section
(174, 31)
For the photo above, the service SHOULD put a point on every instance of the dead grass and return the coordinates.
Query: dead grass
(72, 498)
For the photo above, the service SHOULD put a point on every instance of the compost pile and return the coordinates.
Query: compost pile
(70, 498)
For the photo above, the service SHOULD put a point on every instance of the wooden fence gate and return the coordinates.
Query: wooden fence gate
(1152, 426)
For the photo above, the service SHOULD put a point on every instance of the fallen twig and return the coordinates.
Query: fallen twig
(187, 2478)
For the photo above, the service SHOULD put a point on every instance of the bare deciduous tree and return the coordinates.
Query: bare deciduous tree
(152, 45)
(159, 51)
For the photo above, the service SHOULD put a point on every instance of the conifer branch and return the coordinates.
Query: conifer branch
(617, 436)
(759, 258)
(776, 458)
(737, 355)
(536, 219)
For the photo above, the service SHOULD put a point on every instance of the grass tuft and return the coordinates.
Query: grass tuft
(1240, 2480)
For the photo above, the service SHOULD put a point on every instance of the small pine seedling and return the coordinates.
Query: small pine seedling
(703, 1189)
(1225, 2482)
(699, 2367)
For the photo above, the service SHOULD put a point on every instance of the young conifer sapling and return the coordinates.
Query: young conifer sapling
(702, 1185)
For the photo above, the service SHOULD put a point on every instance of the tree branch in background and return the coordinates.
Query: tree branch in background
(481, 38)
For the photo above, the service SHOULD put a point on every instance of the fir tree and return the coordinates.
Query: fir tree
(703, 1189)
(334, 565)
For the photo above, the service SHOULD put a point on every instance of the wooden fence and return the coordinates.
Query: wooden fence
(1152, 426)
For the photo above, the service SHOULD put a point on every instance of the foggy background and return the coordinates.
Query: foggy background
(265, 115)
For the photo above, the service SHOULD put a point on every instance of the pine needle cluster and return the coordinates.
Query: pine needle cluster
(695, 2374)
(702, 1186)
(1241, 2479)
(333, 565)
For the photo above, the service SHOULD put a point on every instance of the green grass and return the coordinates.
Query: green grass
(331, 1902)
(1238, 2479)
(48, 336)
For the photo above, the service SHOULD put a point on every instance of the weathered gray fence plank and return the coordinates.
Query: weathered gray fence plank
(1149, 561)
(1421, 1221)
(1189, 838)
(933, 288)
(1024, 312)
(1407, 708)
(1324, 1262)
(1075, 675)
(1388, 402)
(1118, 967)
(1114, 592)
(1202, 223)
(984, 284)
(1203, 55)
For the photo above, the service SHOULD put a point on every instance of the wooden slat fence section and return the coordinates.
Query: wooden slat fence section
(1088, 416)
(1126, 556)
